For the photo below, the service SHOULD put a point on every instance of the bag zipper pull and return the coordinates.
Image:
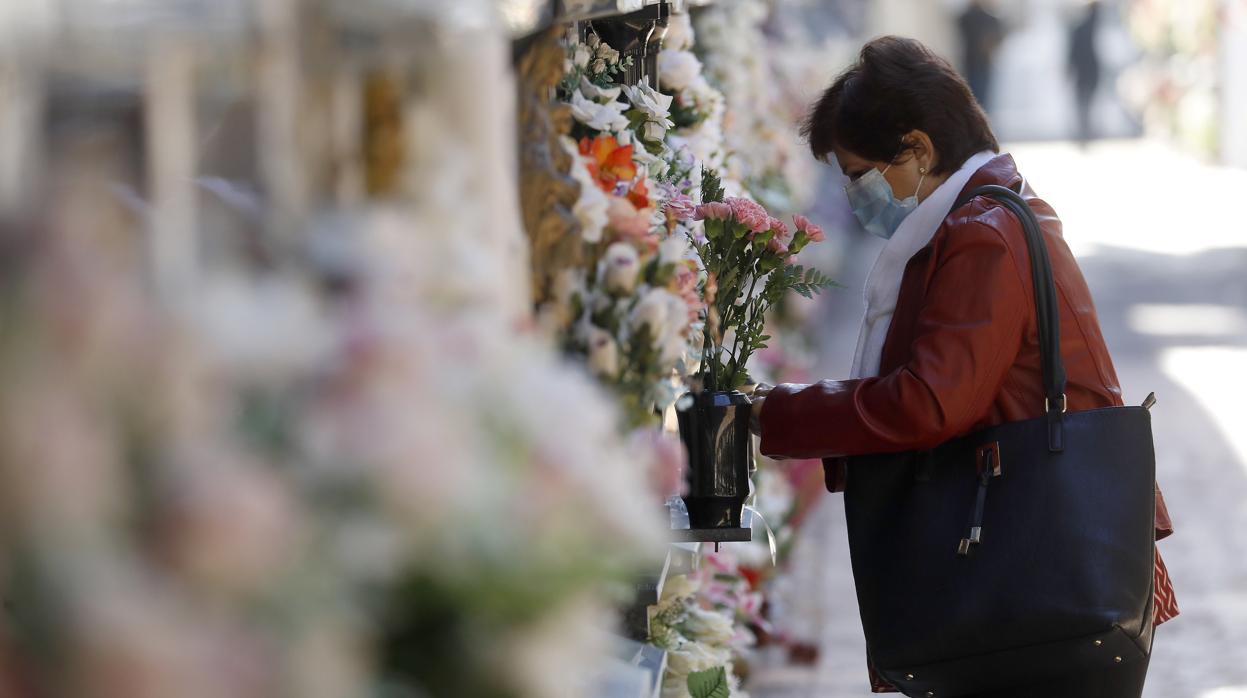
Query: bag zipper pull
(989, 467)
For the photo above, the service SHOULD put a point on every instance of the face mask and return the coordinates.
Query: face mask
(876, 207)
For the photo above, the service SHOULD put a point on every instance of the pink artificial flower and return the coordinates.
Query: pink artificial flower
(813, 232)
(681, 206)
(627, 220)
(749, 214)
(714, 211)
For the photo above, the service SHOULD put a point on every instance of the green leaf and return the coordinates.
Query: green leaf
(711, 683)
(711, 188)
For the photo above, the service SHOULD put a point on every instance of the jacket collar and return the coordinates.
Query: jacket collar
(999, 170)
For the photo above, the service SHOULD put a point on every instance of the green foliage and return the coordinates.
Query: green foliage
(711, 186)
(684, 115)
(711, 683)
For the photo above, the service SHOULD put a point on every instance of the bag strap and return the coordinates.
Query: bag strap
(1047, 312)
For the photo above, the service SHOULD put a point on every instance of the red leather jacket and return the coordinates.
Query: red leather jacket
(962, 352)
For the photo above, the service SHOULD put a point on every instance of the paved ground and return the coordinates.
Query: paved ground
(1165, 253)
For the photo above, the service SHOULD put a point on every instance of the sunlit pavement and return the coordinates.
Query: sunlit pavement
(1163, 244)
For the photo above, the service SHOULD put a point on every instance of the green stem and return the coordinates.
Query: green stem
(748, 318)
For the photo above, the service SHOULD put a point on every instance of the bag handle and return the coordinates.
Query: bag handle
(1047, 312)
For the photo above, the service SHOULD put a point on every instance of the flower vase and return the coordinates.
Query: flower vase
(714, 426)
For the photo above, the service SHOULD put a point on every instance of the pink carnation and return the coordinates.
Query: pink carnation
(715, 211)
(749, 214)
(781, 237)
(813, 232)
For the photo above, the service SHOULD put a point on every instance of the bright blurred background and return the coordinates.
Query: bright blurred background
(278, 418)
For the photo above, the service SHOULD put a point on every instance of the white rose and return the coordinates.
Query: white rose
(623, 265)
(593, 41)
(599, 66)
(677, 69)
(581, 57)
(603, 353)
(653, 103)
(606, 53)
(680, 35)
(653, 131)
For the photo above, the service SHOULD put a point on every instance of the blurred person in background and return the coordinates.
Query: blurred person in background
(1084, 67)
(981, 35)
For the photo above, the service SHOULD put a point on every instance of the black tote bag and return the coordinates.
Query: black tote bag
(1014, 554)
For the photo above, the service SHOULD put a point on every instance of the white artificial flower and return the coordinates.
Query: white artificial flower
(623, 265)
(673, 250)
(591, 207)
(608, 54)
(677, 69)
(598, 94)
(581, 57)
(655, 165)
(680, 35)
(599, 117)
(593, 40)
(666, 316)
(709, 626)
(599, 66)
(603, 353)
(655, 105)
(651, 312)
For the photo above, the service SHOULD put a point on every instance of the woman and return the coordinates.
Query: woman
(949, 342)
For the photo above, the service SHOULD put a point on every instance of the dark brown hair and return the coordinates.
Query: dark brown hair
(898, 85)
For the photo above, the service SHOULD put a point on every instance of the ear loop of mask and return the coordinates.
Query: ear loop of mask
(922, 176)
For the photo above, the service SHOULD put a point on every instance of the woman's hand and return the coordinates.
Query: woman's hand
(757, 398)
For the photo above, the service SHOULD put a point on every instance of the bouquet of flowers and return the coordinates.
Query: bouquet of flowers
(748, 255)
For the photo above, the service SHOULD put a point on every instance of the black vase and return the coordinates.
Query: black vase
(715, 429)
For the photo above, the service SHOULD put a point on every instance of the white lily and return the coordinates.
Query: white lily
(598, 94)
(607, 117)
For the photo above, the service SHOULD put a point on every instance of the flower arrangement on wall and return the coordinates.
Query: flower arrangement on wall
(740, 60)
(676, 280)
(630, 310)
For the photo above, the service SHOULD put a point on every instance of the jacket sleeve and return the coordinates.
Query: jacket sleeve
(969, 332)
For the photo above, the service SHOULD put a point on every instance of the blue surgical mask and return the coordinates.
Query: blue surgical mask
(876, 207)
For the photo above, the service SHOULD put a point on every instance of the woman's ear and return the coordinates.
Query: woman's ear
(920, 147)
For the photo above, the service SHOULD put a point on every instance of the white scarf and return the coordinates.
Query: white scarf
(884, 282)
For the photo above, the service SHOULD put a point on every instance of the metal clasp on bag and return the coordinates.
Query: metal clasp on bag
(988, 457)
(987, 466)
